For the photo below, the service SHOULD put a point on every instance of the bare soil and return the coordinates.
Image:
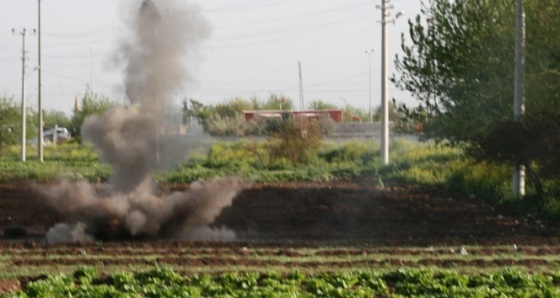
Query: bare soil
(345, 211)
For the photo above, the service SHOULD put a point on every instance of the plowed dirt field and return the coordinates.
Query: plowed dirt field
(348, 223)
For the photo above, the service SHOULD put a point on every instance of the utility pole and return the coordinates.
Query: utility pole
(40, 91)
(300, 88)
(369, 53)
(23, 33)
(384, 79)
(519, 101)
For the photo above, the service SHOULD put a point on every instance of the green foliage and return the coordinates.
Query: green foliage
(233, 125)
(66, 161)
(360, 153)
(295, 140)
(421, 163)
(253, 160)
(236, 156)
(486, 180)
(10, 126)
(321, 105)
(51, 118)
(412, 162)
(458, 65)
(53, 286)
(533, 144)
(273, 102)
(86, 275)
(227, 119)
(10, 123)
(232, 108)
(398, 283)
(91, 104)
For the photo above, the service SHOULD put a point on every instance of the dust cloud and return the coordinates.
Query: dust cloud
(163, 37)
(95, 212)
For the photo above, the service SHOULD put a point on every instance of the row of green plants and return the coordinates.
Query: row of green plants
(164, 282)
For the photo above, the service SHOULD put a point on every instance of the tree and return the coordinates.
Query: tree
(459, 67)
(91, 103)
(10, 125)
(460, 60)
(460, 64)
(51, 118)
(232, 107)
(319, 104)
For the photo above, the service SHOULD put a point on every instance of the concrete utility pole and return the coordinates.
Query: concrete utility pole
(384, 79)
(369, 53)
(519, 101)
(23, 33)
(40, 91)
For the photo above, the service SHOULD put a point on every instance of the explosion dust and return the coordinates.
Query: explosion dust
(163, 37)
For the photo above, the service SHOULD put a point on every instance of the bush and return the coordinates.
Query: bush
(295, 141)
(422, 163)
(357, 152)
(236, 125)
(486, 180)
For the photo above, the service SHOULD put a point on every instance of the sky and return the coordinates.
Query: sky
(253, 51)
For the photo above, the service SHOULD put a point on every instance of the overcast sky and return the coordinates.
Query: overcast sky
(254, 50)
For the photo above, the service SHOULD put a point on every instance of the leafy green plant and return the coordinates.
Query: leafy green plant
(86, 274)
(402, 282)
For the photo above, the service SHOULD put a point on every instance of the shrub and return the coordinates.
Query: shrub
(487, 180)
(352, 151)
(295, 140)
(236, 125)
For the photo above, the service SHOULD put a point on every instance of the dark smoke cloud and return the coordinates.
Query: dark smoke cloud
(127, 141)
(164, 34)
(90, 212)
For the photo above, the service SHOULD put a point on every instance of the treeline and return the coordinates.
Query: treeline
(11, 118)
(227, 119)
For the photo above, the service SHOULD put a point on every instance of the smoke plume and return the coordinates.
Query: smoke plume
(94, 212)
(163, 38)
(164, 35)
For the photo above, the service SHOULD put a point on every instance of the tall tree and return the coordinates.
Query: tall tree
(459, 66)
(460, 59)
